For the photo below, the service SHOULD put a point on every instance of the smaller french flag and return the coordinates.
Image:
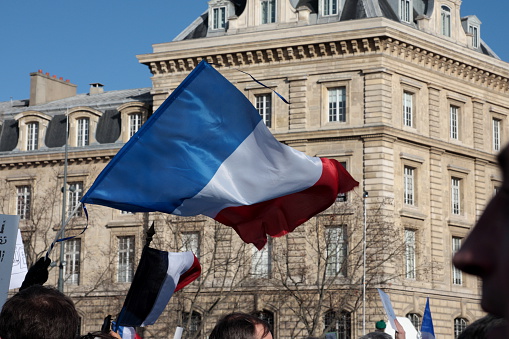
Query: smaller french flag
(127, 332)
(158, 276)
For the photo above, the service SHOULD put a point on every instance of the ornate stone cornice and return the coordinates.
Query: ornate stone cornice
(411, 53)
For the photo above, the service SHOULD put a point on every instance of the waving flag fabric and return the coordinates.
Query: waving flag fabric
(158, 276)
(207, 151)
(427, 330)
(127, 332)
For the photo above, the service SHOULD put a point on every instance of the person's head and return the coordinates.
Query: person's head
(241, 326)
(480, 328)
(380, 326)
(485, 252)
(376, 335)
(39, 312)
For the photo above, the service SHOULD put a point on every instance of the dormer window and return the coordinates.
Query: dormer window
(82, 133)
(134, 123)
(268, 11)
(330, 7)
(405, 11)
(219, 18)
(445, 21)
(32, 136)
(474, 31)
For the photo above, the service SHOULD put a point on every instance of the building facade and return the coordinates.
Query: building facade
(404, 93)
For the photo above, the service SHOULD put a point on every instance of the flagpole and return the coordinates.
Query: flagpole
(64, 207)
(365, 196)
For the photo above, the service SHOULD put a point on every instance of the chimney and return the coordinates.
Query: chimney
(45, 88)
(96, 88)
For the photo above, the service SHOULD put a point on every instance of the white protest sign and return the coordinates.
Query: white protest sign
(8, 235)
(410, 331)
(19, 264)
(386, 301)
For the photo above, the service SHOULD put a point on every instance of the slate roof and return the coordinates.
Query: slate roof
(108, 126)
(352, 10)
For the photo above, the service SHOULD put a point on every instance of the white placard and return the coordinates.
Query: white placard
(8, 235)
(19, 264)
(386, 301)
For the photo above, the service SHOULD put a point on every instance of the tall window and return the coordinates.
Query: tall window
(496, 134)
(409, 188)
(261, 264)
(338, 324)
(23, 201)
(134, 123)
(125, 262)
(329, 7)
(264, 108)
(342, 197)
(459, 326)
(454, 122)
(268, 11)
(457, 276)
(446, 21)
(337, 104)
(83, 125)
(456, 196)
(32, 136)
(415, 319)
(191, 242)
(74, 195)
(192, 322)
(405, 10)
(474, 30)
(72, 249)
(335, 240)
(219, 18)
(408, 108)
(410, 254)
(267, 316)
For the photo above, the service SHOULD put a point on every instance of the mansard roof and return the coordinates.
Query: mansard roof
(351, 10)
(108, 127)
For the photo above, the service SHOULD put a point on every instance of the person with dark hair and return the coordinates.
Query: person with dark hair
(480, 328)
(39, 312)
(485, 252)
(241, 326)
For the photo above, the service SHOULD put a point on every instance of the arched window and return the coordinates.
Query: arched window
(338, 324)
(192, 324)
(446, 21)
(32, 136)
(459, 326)
(82, 132)
(268, 316)
(415, 319)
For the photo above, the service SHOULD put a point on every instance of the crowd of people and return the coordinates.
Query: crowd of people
(39, 312)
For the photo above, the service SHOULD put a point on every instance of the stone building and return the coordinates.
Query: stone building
(404, 93)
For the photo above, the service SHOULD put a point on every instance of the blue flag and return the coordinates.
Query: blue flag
(427, 330)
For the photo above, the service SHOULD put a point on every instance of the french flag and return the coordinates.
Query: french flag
(207, 151)
(127, 332)
(158, 276)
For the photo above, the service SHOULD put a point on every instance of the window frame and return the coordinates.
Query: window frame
(261, 261)
(24, 208)
(82, 131)
(342, 326)
(475, 30)
(457, 274)
(191, 241)
(408, 108)
(263, 104)
(72, 260)
(496, 131)
(125, 258)
(454, 121)
(219, 15)
(326, 5)
(410, 253)
(334, 114)
(268, 17)
(456, 196)
(460, 324)
(446, 21)
(32, 139)
(406, 11)
(75, 192)
(415, 319)
(195, 323)
(135, 122)
(336, 251)
(409, 176)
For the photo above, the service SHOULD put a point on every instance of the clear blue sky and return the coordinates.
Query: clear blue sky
(98, 40)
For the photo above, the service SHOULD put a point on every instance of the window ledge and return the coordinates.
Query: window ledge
(115, 224)
(409, 213)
